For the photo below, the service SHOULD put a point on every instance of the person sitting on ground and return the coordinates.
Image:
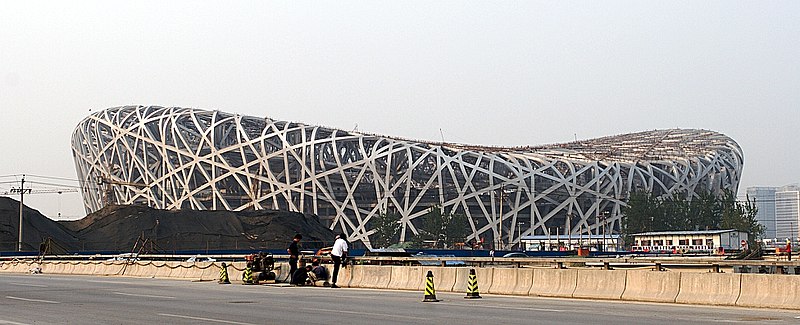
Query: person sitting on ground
(318, 275)
(300, 276)
(320, 272)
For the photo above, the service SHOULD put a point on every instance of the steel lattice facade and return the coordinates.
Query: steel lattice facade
(183, 158)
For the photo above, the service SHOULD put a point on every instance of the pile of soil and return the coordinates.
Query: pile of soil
(131, 227)
(36, 228)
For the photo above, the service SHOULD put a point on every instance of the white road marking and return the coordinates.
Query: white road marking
(139, 295)
(12, 323)
(205, 319)
(359, 313)
(505, 307)
(28, 284)
(33, 300)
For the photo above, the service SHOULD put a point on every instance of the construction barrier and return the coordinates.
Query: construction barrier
(524, 282)
(648, 285)
(600, 284)
(747, 290)
(554, 282)
(709, 288)
(401, 276)
(504, 280)
(444, 277)
(375, 276)
(770, 291)
(345, 276)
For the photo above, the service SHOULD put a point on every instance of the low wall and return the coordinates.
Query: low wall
(554, 282)
(728, 289)
(709, 288)
(655, 286)
(769, 290)
(599, 284)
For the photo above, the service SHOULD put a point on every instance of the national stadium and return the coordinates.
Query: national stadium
(186, 158)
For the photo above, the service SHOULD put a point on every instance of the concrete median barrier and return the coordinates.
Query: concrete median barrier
(206, 271)
(503, 281)
(371, 276)
(483, 275)
(345, 275)
(89, 267)
(554, 282)
(444, 278)
(769, 291)
(235, 270)
(600, 284)
(648, 285)
(524, 282)
(709, 288)
(406, 277)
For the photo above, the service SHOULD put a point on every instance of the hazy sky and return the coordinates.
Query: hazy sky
(495, 73)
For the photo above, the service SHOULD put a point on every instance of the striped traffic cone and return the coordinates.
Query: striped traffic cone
(223, 274)
(430, 291)
(247, 275)
(472, 286)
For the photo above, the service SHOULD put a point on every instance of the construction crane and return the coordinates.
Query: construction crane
(108, 190)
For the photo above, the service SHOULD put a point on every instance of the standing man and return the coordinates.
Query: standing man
(294, 254)
(338, 254)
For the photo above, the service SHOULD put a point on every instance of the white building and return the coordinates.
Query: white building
(765, 201)
(787, 212)
(688, 241)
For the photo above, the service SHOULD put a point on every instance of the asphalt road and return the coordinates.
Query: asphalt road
(57, 299)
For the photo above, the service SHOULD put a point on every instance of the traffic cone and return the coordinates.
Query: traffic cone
(223, 274)
(247, 275)
(430, 291)
(472, 286)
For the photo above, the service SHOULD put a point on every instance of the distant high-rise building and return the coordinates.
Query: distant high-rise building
(787, 212)
(765, 201)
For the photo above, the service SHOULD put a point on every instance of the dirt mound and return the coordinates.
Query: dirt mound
(36, 229)
(119, 227)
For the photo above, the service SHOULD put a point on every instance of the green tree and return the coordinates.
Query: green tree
(387, 230)
(443, 229)
(646, 212)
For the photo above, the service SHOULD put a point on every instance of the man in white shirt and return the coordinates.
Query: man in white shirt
(338, 254)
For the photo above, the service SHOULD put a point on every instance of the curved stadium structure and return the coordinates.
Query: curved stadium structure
(184, 158)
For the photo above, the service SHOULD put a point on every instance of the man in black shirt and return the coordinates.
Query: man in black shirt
(294, 254)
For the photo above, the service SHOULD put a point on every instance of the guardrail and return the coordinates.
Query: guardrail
(711, 263)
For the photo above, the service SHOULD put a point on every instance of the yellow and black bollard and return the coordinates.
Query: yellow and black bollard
(223, 274)
(247, 275)
(430, 291)
(472, 286)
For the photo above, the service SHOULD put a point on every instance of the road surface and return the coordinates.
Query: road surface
(70, 299)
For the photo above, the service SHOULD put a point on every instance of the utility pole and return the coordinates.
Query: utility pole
(21, 191)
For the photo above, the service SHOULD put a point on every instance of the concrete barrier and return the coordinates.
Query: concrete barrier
(400, 275)
(444, 278)
(600, 284)
(235, 270)
(709, 288)
(769, 291)
(554, 282)
(504, 280)
(163, 269)
(647, 285)
(345, 276)
(371, 276)
(206, 271)
(282, 272)
(524, 282)
(484, 276)
(86, 268)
